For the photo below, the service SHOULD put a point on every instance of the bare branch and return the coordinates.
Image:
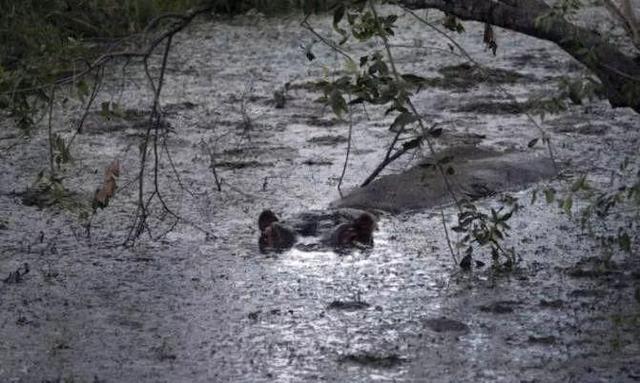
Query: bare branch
(50, 129)
(346, 158)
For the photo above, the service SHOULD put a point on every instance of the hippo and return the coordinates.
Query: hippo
(339, 229)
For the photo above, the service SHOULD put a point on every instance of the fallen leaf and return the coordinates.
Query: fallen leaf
(108, 189)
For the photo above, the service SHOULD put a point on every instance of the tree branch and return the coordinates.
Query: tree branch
(610, 65)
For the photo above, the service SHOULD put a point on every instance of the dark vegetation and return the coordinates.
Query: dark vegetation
(46, 45)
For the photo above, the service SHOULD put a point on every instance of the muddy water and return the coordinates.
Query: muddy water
(195, 307)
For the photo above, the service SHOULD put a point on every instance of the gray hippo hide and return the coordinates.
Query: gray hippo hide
(477, 173)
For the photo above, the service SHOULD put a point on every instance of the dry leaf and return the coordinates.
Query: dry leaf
(489, 38)
(108, 189)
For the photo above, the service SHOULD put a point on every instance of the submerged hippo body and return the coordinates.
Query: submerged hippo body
(476, 173)
(335, 229)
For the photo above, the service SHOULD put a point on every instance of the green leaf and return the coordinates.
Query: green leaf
(104, 109)
(351, 66)
(117, 110)
(403, 119)
(534, 196)
(435, 132)
(83, 89)
(567, 205)
(338, 103)
(624, 241)
(579, 184)
(412, 144)
(338, 14)
(549, 195)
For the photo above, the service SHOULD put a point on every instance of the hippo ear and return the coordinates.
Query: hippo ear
(266, 218)
(365, 222)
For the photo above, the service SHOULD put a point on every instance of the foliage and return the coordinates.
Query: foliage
(49, 191)
(44, 41)
(374, 79)
(601, 206)
(486, 230)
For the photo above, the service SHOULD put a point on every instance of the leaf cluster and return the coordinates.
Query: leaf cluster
(487, 230)
(601, 204)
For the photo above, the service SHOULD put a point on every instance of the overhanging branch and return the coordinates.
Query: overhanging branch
(619, 73)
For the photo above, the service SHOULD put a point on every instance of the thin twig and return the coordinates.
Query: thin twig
(393, 143)
(425, 132)
(446, 234)
(51, 100)
(305, 24)
(174, 169)
(545, 137)
(346, 157)
(94, 92)
(627, 18)
(212, 164)
(154, 120)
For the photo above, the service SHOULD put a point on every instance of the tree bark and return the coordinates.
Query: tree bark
(619, 73)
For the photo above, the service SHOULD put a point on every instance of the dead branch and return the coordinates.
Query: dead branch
(390, 158)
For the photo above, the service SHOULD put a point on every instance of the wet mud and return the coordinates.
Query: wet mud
(185, 306)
